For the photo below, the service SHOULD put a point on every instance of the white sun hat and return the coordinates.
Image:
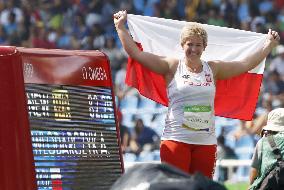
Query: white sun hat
(275, 120)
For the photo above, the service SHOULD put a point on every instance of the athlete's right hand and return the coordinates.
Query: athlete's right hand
(119, 19)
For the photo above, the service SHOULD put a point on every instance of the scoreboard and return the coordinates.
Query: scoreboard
(71, 113)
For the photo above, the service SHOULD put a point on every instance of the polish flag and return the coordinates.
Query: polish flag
(235, 97)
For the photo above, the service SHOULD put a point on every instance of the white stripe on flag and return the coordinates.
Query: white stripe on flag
(162, 37)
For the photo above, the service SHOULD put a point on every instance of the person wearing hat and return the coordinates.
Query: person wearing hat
(263, 159)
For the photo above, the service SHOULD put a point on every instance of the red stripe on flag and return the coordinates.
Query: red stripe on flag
(235, 98)
(148, 83)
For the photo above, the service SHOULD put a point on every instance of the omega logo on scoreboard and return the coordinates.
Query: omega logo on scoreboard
(94, 73)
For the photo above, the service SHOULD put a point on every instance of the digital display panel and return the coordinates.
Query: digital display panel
(73, 136)
(71, 112)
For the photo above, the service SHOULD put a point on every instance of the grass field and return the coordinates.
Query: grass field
(237, 186)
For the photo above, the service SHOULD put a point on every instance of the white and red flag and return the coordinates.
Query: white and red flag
(235, 97)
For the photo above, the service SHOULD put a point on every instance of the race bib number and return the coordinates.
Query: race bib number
(197, 117)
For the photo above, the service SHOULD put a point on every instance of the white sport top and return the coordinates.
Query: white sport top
(190, 117)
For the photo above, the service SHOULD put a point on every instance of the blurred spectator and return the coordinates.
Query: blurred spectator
(242, 130)
(124, 133)
(255, 126)
(224, 152)
(116, 56)
(144, 138)
(11, 26)
(265, 6)
(3, 37)
(139, 6)
(39, 38)
(215, 18)
(151, 8)
(97, 32)
(277, 63)
(79, 29)
(227, 10)
(190, 9)
(11, 7)
(107, 12)
(94, 14)
(202, 8)
(121, 89)
(63, 39)
(243, 11)
(168, 9)
(279, 3)
(57, 10)
(127, 5)
(280, 22)
(274, 89)
(257, 24)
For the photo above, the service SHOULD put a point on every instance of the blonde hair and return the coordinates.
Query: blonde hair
(193, 29)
